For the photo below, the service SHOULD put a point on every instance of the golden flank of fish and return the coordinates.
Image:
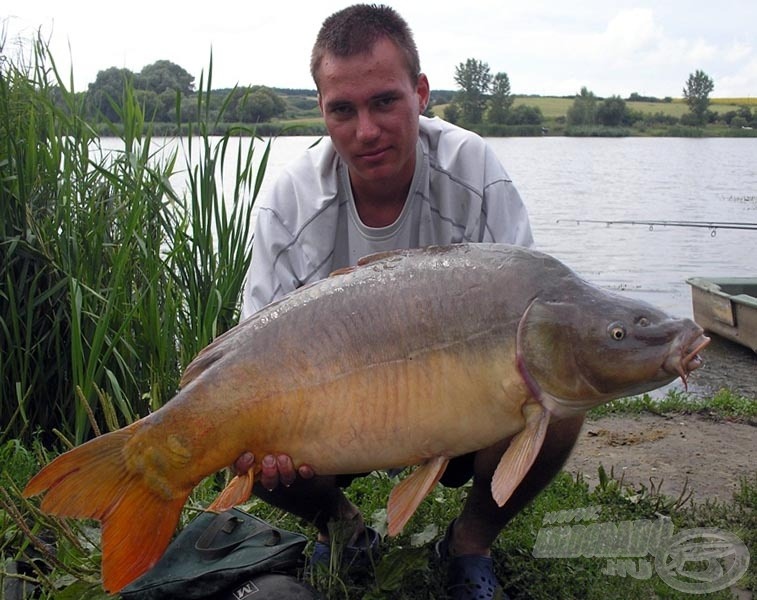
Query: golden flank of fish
(411, 358)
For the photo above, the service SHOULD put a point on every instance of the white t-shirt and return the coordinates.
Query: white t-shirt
(308, 226)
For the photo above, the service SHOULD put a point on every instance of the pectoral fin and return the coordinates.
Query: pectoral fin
(236, 492)
(410, 492)
(521, 453)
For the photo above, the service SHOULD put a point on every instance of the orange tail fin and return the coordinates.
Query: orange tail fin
(94, 481)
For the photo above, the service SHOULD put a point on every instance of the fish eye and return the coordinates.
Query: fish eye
(616, 331)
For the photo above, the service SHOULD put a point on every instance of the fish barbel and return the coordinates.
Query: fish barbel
(411, 358)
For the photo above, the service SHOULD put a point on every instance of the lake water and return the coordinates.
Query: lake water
(566, 181)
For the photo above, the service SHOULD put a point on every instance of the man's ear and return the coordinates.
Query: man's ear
(423, 90)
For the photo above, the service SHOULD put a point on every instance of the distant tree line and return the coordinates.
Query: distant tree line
(486, 99)
(636, 97)
(588, 111)
(165, 91)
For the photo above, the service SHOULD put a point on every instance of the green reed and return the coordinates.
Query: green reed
(111, 281)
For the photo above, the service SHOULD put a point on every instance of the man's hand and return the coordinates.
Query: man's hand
(275, 469)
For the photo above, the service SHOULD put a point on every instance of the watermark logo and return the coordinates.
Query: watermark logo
(244, 591)
(696, 561)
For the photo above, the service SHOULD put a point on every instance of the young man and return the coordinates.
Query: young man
(388, 178)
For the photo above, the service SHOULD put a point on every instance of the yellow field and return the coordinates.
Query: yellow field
(735, 101)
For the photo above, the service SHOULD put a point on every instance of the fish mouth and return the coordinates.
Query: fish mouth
(684, 358)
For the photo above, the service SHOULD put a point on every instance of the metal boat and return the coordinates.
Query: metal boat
(726, 306)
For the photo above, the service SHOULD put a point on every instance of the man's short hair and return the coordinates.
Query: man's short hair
(356, 29)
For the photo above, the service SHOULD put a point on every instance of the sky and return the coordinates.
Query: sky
(545, 47)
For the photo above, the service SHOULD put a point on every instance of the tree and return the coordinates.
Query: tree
(697, 92)
(167, 109)
(474, 78)
(452, 113)
(150, 103)
(256, 104)
(501, 99)
(584, 109)
(612, 112)
(106, 93)
(164, 75)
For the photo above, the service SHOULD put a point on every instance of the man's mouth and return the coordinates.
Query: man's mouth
(373, 155)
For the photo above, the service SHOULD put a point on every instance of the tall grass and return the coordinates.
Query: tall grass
(110, 279)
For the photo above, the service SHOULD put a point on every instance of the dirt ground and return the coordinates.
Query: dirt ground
(706, 457)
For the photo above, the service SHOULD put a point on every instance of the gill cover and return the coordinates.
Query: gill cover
(593, 346)
(545, 345)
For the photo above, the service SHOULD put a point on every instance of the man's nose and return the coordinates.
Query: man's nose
(367, 127)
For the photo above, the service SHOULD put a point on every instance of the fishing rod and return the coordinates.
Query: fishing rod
(713, 226)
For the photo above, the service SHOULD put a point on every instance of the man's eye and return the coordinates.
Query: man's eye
(342, 110)
(386, 102)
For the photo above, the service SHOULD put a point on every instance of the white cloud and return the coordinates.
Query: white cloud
(739, 84)
(631, 31)
(738, 51)
(701, 50)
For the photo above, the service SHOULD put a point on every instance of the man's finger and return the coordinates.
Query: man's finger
(306, 471)
(287, 474)
(244, 463)
(269, 475)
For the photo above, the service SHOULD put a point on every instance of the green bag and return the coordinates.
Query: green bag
(217, 552)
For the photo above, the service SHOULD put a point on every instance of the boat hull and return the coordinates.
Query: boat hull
(726, 306)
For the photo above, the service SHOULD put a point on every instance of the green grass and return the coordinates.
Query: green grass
(722, 405)
(550, 107)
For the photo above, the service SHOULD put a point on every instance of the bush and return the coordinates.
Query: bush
(738, 122)
(525, 115)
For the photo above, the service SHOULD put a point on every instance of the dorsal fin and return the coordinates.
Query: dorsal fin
(368, 259)
(200, 363)
(377, 256)
(209, 354)
(342, 271)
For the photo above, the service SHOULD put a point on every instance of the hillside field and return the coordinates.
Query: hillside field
(554, 107)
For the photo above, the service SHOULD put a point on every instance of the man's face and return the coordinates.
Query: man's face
(370, 106)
